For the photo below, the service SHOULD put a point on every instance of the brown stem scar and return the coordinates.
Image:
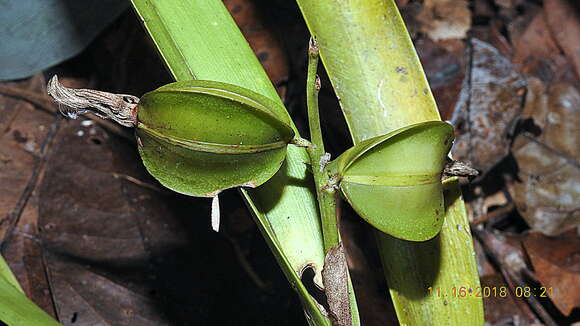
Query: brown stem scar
(459, 169)
(335, 280)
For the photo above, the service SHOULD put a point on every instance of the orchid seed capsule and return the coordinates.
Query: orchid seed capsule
(394, 181)
(195, 137)
(201, 137)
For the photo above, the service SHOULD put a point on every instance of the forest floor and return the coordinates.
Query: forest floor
(85, 229)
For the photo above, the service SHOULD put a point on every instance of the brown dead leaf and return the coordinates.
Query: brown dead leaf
(22, 132)
(507, 254)
(547, 152)
(94, 247)
(556, 264)
(492, 35)
(488, 106)
(266, 46)
(502, 311)
(335, 280)
(402, 3)
(563, 17)
(445, 19)
(535, 46)
(25, 139)
(445, 70)
(563, 250)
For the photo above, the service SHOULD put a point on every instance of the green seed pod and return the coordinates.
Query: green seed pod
(394, 181)
(201, 137)
(196, 137)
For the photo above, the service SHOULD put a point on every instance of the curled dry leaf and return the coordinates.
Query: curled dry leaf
(547, 152)
(445, 19)
(119, 107)
(489, 104)
(557, 266)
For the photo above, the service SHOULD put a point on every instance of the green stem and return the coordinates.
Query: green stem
(326, 196)
(312, 89)
(327, 204)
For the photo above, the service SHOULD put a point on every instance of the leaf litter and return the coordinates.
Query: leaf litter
(530, 162)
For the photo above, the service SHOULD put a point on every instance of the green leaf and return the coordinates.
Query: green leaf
(15, 308)
(390, 188)
(201, 137)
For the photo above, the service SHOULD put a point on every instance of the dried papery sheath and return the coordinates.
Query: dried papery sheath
(121, 108)
(458, 169)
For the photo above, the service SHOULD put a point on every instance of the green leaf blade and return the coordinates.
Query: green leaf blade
(423, 275)
(373, 65)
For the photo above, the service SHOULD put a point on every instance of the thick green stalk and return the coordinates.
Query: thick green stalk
(312, 90)
(326, 200)
(198, 39)
(325, 192)
(377, 75)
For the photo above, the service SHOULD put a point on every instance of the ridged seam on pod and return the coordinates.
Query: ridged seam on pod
(213, 147)
(255, 101)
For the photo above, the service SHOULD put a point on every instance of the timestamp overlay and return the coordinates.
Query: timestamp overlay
(490, 291)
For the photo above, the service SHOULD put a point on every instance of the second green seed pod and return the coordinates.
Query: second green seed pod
(394, 181)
